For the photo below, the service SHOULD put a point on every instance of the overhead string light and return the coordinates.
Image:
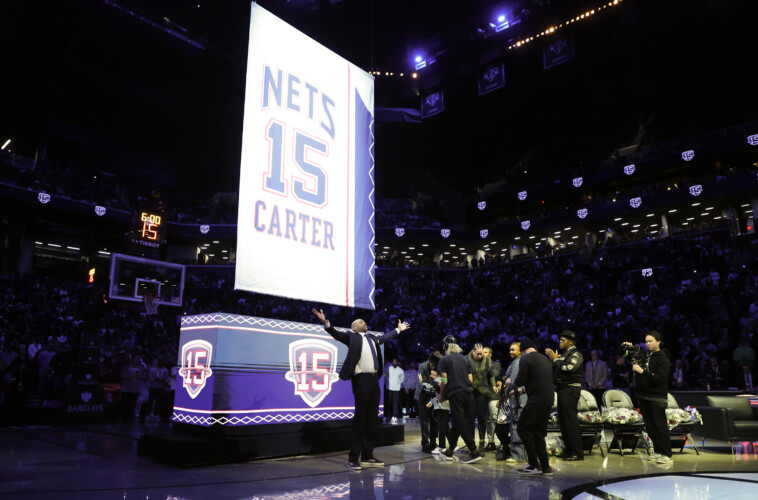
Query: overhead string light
(552, 29)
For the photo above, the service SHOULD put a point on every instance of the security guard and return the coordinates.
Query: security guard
(567, 376)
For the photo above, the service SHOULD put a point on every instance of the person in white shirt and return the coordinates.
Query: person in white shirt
(596, 375)
(395, 381)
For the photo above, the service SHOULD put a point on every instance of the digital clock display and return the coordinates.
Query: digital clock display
(151, 224)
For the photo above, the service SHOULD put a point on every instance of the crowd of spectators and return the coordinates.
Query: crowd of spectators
(702, 296)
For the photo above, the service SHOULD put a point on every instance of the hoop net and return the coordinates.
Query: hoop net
(151, 306)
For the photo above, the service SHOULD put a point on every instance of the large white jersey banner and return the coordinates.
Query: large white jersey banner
(306, 206)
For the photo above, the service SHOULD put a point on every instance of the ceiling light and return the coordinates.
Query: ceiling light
(653, 225)
(650, 215)
(425, 244)
(636, 225)
(696, 204)
(672, 210)
(624, 223)
(567, 229)
(617, 219)
(709, 208)
(690, 218)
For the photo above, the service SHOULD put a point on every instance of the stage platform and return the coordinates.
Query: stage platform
(101, 462)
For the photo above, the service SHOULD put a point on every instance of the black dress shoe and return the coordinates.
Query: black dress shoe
(573, 458)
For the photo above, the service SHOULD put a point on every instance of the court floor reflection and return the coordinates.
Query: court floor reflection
(100, 462)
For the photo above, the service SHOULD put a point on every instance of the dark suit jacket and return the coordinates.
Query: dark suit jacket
(354, 343)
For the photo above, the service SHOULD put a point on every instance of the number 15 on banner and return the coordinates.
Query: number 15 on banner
(274, 179)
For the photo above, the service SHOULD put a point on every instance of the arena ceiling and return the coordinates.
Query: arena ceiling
(139, 86)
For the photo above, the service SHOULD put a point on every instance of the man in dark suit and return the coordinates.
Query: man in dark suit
(363, 367)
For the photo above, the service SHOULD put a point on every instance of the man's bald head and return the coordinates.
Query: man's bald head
(359, 326)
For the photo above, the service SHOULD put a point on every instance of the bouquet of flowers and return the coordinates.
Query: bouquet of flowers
(645, 440)
(554, 446)
(622, 416)
(553, 420)
(694, 414)
(590, 417)
(676, 416)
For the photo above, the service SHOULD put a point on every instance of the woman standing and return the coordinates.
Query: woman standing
(652, 395)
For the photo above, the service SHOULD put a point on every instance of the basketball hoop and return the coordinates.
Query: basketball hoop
(151, 306)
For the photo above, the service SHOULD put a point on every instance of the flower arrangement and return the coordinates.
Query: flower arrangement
(553, 420)
(676, 416)
(590, 417)
(622, 416)
(554, 446)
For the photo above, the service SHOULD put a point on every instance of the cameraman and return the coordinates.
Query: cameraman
(652, 394)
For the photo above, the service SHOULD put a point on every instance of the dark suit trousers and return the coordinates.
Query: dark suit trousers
(462, 410)
(568, 400)
(532, 428)
(366, 393)
(656, 424)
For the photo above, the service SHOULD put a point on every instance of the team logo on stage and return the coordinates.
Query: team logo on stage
(696, 190)
(482, 205)
(204, 228)
(313, 368)
(399, 231)
(581, 213)
(100, 210)
(445, 233)
(629, 169)
(752, 140)
(635, 202)
(43, 198)
(522, 195)
(525, 225)
(688, 155)
(578, 181)
(483, 233)
(196, 366)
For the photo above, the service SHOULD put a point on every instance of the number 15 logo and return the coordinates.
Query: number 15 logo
(312, 193)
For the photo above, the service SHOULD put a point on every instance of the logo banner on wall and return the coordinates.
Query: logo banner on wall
(557, 52)
(433, 104)
(492, 78)
(306, 211)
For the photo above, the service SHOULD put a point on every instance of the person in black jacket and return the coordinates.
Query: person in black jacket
(567, 375)
(535, 374)
(652, 395)
(363, 367)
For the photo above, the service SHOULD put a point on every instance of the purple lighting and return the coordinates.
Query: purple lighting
(43, 198)
(647, 272)
(501, 18)
(578, 182)
(522, 195)
(399, 231)
(100, 210)
(635, 202)
(752, 140)
(204, 228)
(418, 59)
(525, 225)
(445, 233)
(688, 155)
(483, 233)
(629, 169)
(581, 213)
(482, 205)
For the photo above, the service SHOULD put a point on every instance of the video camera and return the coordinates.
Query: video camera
(635, 353)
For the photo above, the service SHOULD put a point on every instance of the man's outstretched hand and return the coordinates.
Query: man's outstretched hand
(402, 325)
(320, 315)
